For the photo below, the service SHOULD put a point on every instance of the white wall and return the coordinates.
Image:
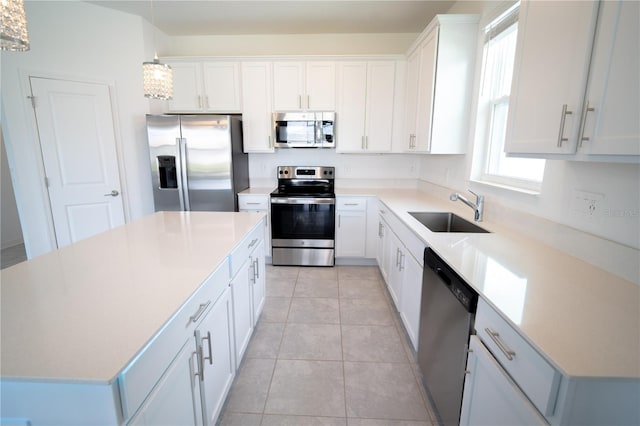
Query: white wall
(76, 40)
(291, 44)
(618, 183)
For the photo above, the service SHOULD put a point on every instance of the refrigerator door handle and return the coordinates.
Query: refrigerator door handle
(183, 188)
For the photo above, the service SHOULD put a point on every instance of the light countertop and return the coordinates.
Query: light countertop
(583, 318)
(83, 312)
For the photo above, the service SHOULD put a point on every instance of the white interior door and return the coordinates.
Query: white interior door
(76, 131)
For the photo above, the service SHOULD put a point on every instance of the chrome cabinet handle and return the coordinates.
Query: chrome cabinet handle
(194, 373)
(199, 101)
(397, 258)
(113, 193)
(350, 204)
(401, 265)
(300, 101)
(256, 270)
(253, 204)
(563, 117)
(362, 141)
(582, 137)
(203, 307)
(253, 243)
(308, 102)
(252, 273)
(200, 357)
(210, 357)
(206, 102)
(496, 338)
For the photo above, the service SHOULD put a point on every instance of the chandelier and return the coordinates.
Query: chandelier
(13, 27)
(157, 78)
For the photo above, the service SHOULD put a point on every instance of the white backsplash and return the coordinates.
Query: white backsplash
(352, 170)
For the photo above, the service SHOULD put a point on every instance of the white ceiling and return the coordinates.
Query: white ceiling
(215, 17)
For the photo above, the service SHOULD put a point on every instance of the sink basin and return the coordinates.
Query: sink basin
(446, 222)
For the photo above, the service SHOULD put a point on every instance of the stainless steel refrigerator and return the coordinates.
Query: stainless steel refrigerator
(197, 162)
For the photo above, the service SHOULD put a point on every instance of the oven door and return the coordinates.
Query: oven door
(307, 222)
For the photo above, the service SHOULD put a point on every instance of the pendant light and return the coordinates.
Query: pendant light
(13, 27)
(157, 78)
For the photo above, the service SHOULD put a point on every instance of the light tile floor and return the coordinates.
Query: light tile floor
(329, 349)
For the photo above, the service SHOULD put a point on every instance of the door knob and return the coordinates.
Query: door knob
(113, 193)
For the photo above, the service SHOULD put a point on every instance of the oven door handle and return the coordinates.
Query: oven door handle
(288, 200)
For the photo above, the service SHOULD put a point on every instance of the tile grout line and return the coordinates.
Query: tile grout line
(344, 377)
(275, 363)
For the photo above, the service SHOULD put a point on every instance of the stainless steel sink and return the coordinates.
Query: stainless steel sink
(446, 222)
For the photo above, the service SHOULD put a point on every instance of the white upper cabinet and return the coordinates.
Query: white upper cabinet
(439, 86)
(256, 107)
(578, 100)
(299, 86)
(211, 86)
(611, 112)
(365, 106)
(550, 72)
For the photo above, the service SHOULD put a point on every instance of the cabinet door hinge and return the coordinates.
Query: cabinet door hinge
(33, 101)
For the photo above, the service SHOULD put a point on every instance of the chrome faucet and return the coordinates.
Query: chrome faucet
(478, 207)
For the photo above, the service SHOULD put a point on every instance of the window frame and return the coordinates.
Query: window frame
(495, 24)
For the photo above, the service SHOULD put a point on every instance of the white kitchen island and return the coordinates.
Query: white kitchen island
(89, 331)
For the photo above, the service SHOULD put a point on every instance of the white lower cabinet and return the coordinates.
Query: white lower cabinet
(214, 338)
(195, 385)
(411, 296)
(242, 309)
(247, 287)
(351, 226)
(259, 281)
(490, 396)
(176, 398)
(510, 382)
(398, 254)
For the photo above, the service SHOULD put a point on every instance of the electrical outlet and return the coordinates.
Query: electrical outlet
(587, 204)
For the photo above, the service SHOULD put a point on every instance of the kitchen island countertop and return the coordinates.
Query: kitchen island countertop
(82, 313)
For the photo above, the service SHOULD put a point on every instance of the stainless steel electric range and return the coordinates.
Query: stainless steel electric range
(303, 216)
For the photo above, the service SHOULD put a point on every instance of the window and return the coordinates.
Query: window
(491, 163)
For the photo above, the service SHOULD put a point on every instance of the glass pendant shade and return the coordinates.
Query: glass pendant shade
(157, 80)
(13, 27)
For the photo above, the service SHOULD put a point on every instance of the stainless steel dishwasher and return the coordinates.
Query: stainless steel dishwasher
(447, 313)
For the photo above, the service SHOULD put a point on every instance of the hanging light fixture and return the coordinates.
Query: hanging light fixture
(13, 27)
(157, 78)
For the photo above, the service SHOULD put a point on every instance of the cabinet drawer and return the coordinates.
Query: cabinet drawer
(253, 202)
(355, 203)
(139, 378)
(538, 379)
(243, 250)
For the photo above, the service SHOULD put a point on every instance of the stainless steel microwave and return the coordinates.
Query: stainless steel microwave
(304, 129)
